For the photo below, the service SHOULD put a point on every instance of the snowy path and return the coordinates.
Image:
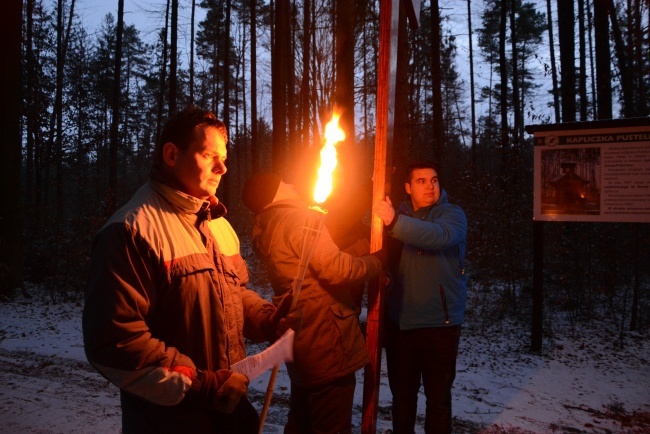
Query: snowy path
(585, 384)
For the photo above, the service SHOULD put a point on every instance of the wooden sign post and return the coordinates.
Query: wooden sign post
(388, 30)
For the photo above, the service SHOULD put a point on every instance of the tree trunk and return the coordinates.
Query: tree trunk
(556, 97)
(57, 151)
(471, 81)
(226, 181)
(226, 66)
(313, 93)
(592, 68)
(636, 286)
(11, 253)
(279, 60)
(292, 103)
(163, 74)
(437, 126)
(503, 66)
(173, 59)
(566, 23)
(366, 65)
(32, 105)
(304, 84)
(623, 68)
(192, 52)
(344, 95)
(582, 79)
(640, 54)
(254, 132)
(603, 61)
(240, 97)
(63, 36)
(517, 109)
(111, 202)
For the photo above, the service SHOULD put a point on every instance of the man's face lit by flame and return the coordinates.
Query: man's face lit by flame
(199, 169)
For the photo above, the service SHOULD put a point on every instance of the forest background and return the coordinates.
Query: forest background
(82, 108)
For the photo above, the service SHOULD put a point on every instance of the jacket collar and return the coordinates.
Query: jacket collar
(184, 202)
(406, 207)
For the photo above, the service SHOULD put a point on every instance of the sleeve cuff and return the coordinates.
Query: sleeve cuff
(392, 223)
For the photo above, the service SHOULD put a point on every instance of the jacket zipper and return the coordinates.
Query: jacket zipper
(444, 304)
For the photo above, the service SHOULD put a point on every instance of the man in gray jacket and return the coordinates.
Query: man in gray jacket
(426, 300)
(167, 304)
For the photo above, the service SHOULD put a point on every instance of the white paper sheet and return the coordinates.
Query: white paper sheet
(280, 351)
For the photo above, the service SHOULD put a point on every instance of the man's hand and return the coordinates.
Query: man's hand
(384, 210)
(281, 311)
(220, 390)
(279, 320)
(292, 321)
(230, 393)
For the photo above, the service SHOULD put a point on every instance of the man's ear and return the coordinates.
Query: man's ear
(170, 154)
(407, 187)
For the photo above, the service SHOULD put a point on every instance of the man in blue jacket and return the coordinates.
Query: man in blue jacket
(426, 299)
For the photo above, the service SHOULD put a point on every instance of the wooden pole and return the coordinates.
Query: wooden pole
(386, 76)
(537, 325)
(389, 20)
(267, 398)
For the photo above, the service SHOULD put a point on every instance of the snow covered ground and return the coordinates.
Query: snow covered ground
(584, 382)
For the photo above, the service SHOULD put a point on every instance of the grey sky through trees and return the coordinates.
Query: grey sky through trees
(148, 17)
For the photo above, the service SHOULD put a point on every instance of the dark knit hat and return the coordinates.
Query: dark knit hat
(260, 190)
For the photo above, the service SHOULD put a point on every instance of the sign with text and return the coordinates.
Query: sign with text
(592, 172)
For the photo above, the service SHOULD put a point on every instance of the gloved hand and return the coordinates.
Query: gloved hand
(221, 390)
(281, 310)
(272, 327)
(292, 321)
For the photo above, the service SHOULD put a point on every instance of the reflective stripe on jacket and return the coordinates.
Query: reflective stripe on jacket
(166, 288)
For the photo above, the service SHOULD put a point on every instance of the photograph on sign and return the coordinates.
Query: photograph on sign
(570, 181)
(592, 175)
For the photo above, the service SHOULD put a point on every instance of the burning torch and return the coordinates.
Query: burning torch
(313, 226)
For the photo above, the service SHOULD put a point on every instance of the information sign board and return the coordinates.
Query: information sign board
(592, 172)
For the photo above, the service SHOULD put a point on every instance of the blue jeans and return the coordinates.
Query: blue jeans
(423, 356)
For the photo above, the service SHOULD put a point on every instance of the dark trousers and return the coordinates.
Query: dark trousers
(323, 409)
(143, 417)
(423, 356)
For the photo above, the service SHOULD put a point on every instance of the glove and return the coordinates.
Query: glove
(272, 328)
(292, 321)
(221, 390)
(281, 310)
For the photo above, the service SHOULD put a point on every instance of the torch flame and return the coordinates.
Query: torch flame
(328, 161)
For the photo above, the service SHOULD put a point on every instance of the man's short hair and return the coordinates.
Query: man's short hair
(180, 129)
(420, 164)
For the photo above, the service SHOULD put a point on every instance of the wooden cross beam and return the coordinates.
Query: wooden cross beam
(388, 31)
